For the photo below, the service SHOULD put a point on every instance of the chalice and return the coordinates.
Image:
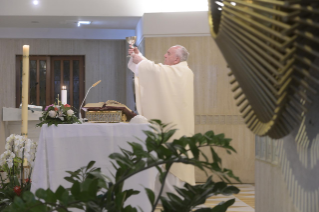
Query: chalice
(131, 41)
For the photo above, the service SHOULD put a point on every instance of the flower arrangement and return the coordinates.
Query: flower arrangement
(19, 152)
(58, 114)
(17, 147)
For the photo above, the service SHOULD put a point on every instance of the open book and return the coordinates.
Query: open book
(110, 105)
(97, 105)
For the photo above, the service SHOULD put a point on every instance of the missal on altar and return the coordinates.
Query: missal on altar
(110, 105)
(94, 105)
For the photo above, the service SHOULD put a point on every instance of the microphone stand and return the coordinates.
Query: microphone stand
(80, 115)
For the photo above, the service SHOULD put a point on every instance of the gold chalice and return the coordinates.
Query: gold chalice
(131, 41)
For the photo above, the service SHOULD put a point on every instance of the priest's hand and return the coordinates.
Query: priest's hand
(133, 50)
(136, 58)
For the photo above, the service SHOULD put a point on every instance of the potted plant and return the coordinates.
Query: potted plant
(92, 191)
(19, 153)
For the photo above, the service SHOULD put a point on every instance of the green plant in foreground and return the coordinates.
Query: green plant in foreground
(91, 191)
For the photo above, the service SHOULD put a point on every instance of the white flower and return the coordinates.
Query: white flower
(52, 113)
(27, 146)
(18, 137)
(10, 138)
(10, 162)
(2, 159)
(60, 114)
(17, 144)
(12, 155)
(70, 112)
(8, 146)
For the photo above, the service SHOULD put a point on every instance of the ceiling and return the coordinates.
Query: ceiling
(104, 14)
(69, 22)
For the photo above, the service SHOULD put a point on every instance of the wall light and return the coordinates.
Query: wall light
(35, 2)
(83, 22)
(219, 3)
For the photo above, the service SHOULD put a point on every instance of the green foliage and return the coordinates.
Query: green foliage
(191, 196)
(92, 191)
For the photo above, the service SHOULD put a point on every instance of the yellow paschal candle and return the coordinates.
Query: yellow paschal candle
(25, 90)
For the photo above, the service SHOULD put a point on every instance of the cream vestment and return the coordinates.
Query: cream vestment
(167, 93)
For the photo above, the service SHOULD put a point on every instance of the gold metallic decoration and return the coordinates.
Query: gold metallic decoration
(104, 116)
(270, 46)
(124, 118)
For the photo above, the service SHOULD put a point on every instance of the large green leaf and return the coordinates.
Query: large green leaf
(59, 192)
(150, 195)
(230, 190)
(28, 196)
(223, 206)
(41, 193)
(76, 189)
(203, 210)
(130, 192)
(50, 196)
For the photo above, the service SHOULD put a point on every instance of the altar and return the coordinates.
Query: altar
(71, 146)
(12, 122)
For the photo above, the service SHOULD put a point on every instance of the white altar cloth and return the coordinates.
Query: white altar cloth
(71, 146)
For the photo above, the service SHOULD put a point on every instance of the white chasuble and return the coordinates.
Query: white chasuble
(167, 93)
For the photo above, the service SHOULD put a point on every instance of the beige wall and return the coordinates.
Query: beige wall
(104, 60)
(215, 108)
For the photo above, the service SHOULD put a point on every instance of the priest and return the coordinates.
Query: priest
(166, 92)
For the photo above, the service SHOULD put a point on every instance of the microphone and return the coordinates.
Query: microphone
(95, 84)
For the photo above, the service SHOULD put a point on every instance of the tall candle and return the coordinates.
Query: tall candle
(25, 90)
(64, 95)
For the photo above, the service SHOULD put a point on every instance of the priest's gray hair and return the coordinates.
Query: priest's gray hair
(182, 53)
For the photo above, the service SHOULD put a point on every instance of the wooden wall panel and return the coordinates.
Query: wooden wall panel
(243, 162)
(41, 47)
(215, 108)
(7, 81)
(212, 90)
(80, 46)
(104, 60)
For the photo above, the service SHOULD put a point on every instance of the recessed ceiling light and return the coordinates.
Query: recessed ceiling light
(35, 2)
(83, 22)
